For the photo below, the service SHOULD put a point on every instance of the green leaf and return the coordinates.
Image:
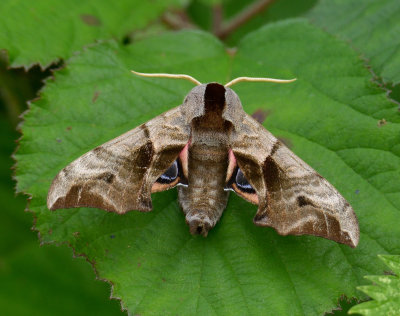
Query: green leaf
(39, 280)
(385, 292)
(329, 117)
(371, 26)
(44, 31)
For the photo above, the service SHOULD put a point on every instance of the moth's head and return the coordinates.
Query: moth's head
(215, 97)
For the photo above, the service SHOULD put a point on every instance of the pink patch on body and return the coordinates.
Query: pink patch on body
(183, 156)
(231, 165)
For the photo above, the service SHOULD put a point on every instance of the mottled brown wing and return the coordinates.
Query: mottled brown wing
(293, 198)
(118, 175)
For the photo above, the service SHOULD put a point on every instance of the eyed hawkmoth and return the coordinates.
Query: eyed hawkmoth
(207, 147)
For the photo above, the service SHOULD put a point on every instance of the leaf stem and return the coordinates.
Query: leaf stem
(217, 18)
(177, 20)
(256, 8)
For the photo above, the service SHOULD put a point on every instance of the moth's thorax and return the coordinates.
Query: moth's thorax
(214, 101)
(211, 129)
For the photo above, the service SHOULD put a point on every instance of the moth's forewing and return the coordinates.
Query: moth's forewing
(118, 176)
(293, 198)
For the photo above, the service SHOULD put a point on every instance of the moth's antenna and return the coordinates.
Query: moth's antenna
(175, 76)
(253, 79)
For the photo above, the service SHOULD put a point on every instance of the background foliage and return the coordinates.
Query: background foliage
(337, 117)
(385, 290)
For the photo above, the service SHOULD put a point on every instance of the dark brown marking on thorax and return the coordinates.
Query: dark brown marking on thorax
(214, 97)
(214, 104)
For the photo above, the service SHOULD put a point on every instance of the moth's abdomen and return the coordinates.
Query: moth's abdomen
(204, 199)
(207, 175)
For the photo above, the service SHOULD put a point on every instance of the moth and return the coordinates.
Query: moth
(207, 147)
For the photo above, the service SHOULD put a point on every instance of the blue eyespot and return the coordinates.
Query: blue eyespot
(170, 175)
(242, 183)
